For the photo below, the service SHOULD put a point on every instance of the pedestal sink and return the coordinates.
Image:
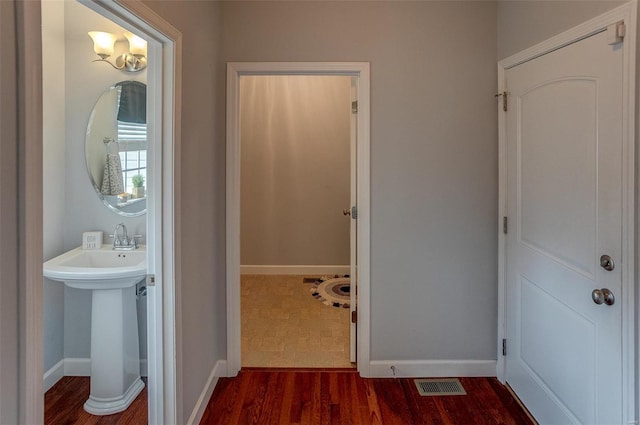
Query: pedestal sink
(115, 360)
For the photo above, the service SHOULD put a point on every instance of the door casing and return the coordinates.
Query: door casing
(354, 69)
(626, 13)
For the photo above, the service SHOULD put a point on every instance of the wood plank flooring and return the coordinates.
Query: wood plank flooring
(332, 396)
(63, 405)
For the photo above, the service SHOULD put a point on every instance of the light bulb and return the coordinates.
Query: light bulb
(137, 45)
(103, 43)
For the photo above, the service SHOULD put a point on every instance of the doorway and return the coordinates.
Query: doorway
(161, 39)
(360, 73)
(295, 239)
(567, 133)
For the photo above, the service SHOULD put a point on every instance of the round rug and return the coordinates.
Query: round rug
(335, 292)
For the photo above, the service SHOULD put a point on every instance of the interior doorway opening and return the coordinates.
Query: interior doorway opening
(296, 163)
(359, 229)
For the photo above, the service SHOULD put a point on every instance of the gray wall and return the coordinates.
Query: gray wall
(433, 156)
(522, 24)
(200, 271)
(9, 338)
(295, 162)
(433, 153)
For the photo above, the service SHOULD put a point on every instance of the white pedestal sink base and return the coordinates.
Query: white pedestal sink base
(115, 352)
(109, 407)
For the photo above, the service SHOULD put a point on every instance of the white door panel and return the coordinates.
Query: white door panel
(564, 196)
(550, 194)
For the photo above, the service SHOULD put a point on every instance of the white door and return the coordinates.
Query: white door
(564, 196)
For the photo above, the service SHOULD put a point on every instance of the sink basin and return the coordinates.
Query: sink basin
(102, 268)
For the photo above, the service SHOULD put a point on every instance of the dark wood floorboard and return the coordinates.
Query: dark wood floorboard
(321, 397)
(63, 405)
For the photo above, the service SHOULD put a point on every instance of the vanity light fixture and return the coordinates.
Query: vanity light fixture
(132, 61)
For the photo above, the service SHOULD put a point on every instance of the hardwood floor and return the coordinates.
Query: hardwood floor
(63, 405)
(281, 396)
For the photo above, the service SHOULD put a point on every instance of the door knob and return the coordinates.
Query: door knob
(346, 211)
(607, 263)
(609, 299)
(597, 296)
(603, 296)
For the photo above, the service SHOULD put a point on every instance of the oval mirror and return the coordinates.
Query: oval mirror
(116, 148)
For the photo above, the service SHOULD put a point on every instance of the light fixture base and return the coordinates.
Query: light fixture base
(130, 62)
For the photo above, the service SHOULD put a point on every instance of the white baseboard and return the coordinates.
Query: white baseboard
(432, 368)
(303, 270)
(53, 375)
(219, 369)
(77, 366)
(74, 366)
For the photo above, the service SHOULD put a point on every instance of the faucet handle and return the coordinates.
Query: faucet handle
(116, 239)
(134, 240)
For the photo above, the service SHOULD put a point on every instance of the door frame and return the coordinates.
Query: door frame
(165, 47)
(627, 13)
(354, 69)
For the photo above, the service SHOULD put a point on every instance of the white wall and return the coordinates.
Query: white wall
(54, 166)
(295, 163)
(85, 82)
(433, 156)
(72, 85)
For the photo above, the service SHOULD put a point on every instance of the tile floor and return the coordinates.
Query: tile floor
(284, 326)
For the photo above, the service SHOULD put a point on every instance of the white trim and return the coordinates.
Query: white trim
(234, 71)
(295, 270)
(77, 366)
(626, 12)
(502, 240)
(53, 375)
(432, 368)
(219, 370)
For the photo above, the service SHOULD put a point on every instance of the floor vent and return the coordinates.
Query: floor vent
(434, 387)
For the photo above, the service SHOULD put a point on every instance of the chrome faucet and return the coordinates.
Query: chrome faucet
(125, 243)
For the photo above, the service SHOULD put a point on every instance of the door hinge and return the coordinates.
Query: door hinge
(151, 280)
(616, 32)
(505, 225)
(354, 107)
(504, 96)
(504, 346)
(354, 316)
